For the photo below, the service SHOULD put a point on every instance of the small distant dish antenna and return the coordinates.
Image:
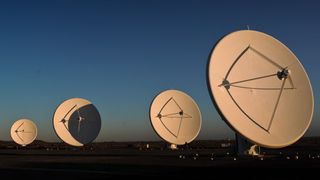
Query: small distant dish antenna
(23, 132)
(260, 88)
(175, 117)
(77, 122)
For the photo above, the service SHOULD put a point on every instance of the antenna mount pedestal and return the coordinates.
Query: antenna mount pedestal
(246, 148)
(173, 147)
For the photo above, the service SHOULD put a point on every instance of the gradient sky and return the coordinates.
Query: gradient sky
(120, 54)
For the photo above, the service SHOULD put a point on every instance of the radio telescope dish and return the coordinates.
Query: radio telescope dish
(260, 88)
(77, 122)
(23, 132)
(175, 117)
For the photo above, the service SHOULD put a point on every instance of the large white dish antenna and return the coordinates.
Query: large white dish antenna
(175, 117)
(77, 122)
(23, 132)
(260, 88)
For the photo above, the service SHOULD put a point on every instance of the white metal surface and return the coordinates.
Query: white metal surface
(260, 88)
(175, 117)
(77, 122)
(23, 132)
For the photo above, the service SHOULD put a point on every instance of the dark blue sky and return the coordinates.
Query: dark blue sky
(120, 54)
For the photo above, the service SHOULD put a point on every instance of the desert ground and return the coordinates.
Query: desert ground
(149, 159)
